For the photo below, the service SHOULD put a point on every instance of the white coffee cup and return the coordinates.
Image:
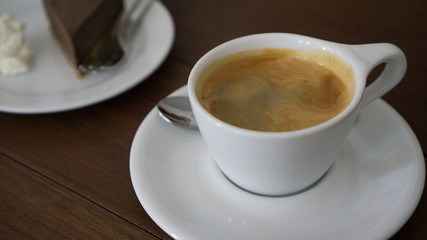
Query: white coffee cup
(281, 163)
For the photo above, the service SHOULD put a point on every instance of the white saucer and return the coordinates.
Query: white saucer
(51, 85)
(369, 193)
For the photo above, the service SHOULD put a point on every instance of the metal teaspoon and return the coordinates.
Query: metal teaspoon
(177, 110)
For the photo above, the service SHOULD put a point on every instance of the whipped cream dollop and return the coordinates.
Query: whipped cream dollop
(15, 51)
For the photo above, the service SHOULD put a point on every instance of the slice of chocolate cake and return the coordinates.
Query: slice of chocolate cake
(81, 25)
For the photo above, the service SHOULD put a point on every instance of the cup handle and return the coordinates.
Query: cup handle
(375, 54)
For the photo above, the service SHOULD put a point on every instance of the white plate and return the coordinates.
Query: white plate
(369, 193)
(51, 85)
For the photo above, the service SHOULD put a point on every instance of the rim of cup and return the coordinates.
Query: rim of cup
(257, 41)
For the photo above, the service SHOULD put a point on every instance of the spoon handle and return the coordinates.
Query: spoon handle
(132, 17)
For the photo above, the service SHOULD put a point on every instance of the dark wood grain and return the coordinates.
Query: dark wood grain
(66, 175)
(36, 207)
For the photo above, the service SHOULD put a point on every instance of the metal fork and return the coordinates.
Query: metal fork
(115, 49)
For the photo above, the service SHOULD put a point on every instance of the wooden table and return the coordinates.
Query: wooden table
(66, 175)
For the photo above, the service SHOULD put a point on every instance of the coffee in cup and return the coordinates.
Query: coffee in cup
(276, 90)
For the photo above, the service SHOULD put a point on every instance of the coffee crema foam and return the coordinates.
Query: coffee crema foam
(276, 90)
